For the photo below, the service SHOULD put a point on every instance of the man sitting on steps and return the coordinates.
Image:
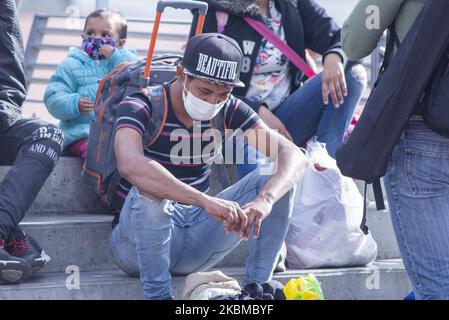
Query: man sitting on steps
(32, 147)
(169, 224)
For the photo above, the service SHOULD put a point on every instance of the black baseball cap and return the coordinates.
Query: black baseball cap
(214, 57)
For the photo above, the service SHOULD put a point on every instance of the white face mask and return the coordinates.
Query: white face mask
(199, 109)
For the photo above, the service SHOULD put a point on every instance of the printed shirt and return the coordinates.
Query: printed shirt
(194, 168)
(271, 79)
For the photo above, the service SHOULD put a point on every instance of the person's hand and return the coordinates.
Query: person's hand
(227, 212)
(107, 50)
(85, 106)
(256, 210)
(334, 82)
(273, 122)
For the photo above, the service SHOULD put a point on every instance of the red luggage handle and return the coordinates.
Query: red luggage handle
(161, 5)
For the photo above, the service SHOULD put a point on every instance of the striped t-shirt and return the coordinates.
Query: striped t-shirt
(192, 162)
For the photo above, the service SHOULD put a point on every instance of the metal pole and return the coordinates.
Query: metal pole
(102, 4)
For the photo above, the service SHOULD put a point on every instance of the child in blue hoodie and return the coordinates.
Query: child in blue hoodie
(72, 90)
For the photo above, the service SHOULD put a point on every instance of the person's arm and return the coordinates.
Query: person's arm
(322, 34)
(150, 177)
(61, 97)
(289, 160)
(154, 181)
(12, 77)
(360, 34)
(290, 164)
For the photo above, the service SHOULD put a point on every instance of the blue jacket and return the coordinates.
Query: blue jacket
(78, 76)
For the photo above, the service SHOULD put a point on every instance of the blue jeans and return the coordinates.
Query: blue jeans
(417, 185)
(305, 115)
(156, 239)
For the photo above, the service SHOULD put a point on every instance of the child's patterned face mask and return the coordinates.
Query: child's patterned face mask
(92, 46)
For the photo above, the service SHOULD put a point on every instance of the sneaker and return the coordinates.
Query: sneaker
(22, 245)
(13, 270)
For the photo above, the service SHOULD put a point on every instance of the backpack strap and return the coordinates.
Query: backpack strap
(363, 225)
(159, 109)
(392, 45)
(111, 77)
(294, 57)
(378, 197)
(218, 123)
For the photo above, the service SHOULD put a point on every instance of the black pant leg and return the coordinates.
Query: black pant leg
(38, 146)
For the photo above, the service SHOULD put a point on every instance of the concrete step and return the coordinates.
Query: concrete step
(382, 280)
(65, 191)
(380, 226)
(81, 240)
(75, 239)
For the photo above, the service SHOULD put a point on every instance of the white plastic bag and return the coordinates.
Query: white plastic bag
(328, 211)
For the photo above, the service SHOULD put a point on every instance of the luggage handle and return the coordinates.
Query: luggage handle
(176, 4)
(161, 5)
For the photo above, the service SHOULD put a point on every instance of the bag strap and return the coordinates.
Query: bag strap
(392, 43)
(378, 195)
(363, 225)
(158, 98)
(218, 123)
(264, 31)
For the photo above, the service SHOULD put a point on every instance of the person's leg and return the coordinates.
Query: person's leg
(208, 243)
(12, 77)
(334, 122)
(147, 242)
(417, 185)
(252, 160)
(34, 147)
(79, 149)
(304, 114)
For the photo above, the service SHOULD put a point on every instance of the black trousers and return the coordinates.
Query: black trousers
(32, 147)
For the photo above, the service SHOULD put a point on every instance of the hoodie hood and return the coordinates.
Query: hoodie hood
(240, 7)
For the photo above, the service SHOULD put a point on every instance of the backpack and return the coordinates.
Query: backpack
(100, 168)
(396, 95)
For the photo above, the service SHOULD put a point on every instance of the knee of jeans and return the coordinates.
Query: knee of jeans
(358, 73)
(155, 213)
(261, 177)
(123, 256)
